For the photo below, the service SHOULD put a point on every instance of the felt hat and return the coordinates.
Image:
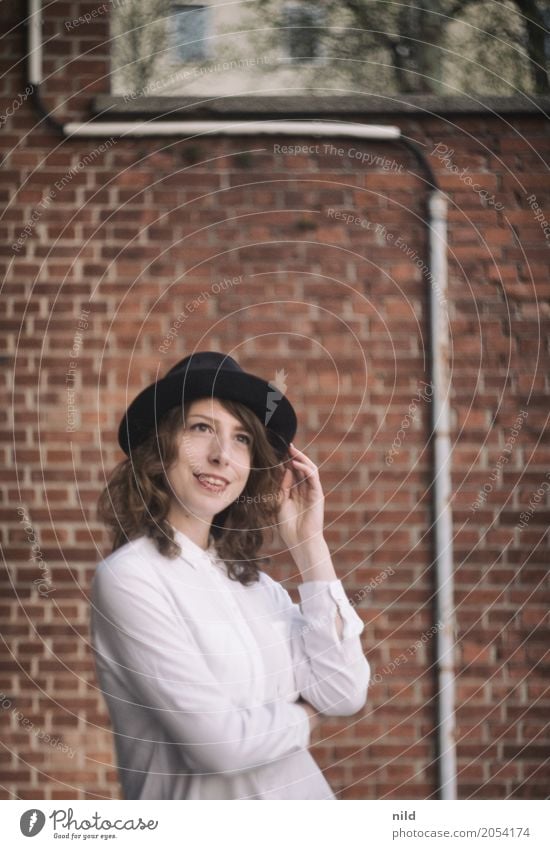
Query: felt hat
(209, 374)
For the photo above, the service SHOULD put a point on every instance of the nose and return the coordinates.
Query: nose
(219, 449)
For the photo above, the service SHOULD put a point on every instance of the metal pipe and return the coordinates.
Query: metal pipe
(35, 43)
(229, 128)
(443, 525)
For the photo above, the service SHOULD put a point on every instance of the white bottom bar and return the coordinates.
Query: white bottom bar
(278, 825)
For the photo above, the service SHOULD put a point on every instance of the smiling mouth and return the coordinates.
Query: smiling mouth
(211, 484)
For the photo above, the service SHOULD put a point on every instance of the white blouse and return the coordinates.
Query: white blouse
(201, 674)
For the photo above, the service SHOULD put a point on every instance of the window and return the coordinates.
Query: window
(191, 28)
(302, 24)
(174, 48)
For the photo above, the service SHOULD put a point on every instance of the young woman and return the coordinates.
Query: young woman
(214, 679)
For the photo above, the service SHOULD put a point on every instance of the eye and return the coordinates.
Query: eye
(247, 439)
(199, 424)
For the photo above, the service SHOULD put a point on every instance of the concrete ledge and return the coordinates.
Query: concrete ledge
(352, 107)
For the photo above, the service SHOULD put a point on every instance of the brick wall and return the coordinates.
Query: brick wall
(106, 242)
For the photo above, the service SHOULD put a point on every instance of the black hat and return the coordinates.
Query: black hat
(209, 374)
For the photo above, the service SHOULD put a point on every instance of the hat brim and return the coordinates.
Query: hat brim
(271, 407)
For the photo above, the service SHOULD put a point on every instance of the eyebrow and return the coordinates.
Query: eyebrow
(240, 428)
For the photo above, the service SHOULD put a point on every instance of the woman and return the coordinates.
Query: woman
(213, 677)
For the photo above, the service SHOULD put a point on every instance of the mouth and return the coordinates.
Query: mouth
(212, 483)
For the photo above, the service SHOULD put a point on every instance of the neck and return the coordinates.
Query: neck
(197, 529)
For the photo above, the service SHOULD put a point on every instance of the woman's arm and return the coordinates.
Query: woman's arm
(313, 715)
(330, 668)
(315, 564)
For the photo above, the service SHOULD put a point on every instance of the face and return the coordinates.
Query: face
(213, 462)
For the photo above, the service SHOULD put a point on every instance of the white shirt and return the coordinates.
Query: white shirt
(201, 674)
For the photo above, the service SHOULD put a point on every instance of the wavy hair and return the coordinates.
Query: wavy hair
(136, 500)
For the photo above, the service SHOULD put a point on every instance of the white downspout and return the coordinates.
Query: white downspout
(437, 225)
(35, 43)
(441, 391)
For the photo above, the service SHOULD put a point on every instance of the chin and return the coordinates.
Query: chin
(216, 504)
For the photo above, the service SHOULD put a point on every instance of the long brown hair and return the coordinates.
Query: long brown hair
(136, 500)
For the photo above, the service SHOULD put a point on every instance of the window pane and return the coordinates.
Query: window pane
(191, 26)
(302, 35)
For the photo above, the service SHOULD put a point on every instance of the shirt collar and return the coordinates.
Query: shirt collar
(193, 553)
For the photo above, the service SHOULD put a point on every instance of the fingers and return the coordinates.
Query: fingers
(295, 453)
(299, 466)
(287, 481)
(303, 470)
(300, 457)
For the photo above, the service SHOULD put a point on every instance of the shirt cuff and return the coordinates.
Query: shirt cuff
(317, 602)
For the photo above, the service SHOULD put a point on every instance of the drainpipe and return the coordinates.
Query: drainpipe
(439, 345)
(231, 128)
(442, 517)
